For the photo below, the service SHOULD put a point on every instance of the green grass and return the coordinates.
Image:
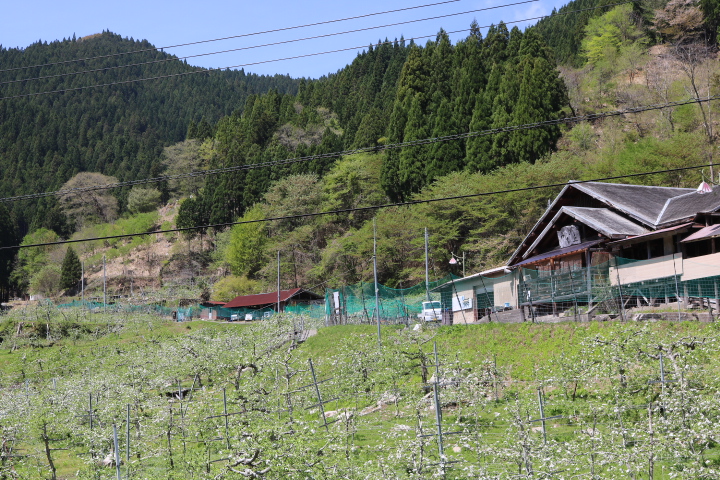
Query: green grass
(526, 356)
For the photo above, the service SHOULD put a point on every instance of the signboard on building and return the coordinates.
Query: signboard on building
(568, 235)
(459, 302)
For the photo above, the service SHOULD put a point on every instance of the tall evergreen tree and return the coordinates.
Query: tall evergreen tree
(541, 96)
(71, 270)
(8, 238)
(477, 152)
(413, 159)
(447, 156)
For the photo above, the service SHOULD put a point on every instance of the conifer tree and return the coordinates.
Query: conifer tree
(540, 96)
(71, 270)
(477, 152)
(447, 156)
(8, 237)
(413, 159)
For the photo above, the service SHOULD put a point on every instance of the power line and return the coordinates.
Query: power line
(425, 141)
(260, 62)
(204, 70)
(266, 44)
(355, 209)
(231, 37)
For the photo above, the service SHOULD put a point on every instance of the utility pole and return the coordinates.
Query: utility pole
(377, 301)
(278, 281)
(427, 268)
(104, 285)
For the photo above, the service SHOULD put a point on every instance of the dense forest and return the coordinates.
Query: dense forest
(117, 130)
(280, 137)
(391, 94)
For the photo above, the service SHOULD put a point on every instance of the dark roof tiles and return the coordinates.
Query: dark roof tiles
(605, 221)
(687, 206)
(644, 203)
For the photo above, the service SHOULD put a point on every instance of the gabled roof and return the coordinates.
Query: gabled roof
(644, 204)
(684, 207)
(270, 298)
(641, 202)
(605, 221)
(602, 220)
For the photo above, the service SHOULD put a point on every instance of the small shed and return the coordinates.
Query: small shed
(475, 296)
(269, 301)
(210, 310)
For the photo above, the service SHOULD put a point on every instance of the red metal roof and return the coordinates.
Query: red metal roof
(262, 299)
(560, 252)
(703, 233)
(650, 234)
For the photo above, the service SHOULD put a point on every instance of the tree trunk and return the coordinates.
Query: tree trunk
(48, 452)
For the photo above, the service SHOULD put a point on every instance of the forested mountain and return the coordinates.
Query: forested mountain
(499, 79)
(280, 137)
(391, 94)
(344, 110)
(564, 32)
(507, 78)
(117, 130)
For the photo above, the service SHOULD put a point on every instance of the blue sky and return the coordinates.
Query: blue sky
(182, 21)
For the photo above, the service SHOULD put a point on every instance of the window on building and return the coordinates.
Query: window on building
(637, 251)
(698, 249)
(656, 248)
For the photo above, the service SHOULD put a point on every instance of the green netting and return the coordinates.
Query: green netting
(579, 284)
(220, 313)
(198, 311)
(397, 305)
(310, 310)
(613, 286)
(485, 300)
(608, 287)
(182, 313)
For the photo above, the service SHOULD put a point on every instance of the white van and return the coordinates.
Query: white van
(431, 312)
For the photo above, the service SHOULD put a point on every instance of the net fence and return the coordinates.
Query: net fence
(621, 284)
(612, 287)
(356, 303)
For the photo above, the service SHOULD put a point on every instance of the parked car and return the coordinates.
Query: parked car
(431, 312)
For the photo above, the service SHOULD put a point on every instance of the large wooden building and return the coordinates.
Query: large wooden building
(622, 235)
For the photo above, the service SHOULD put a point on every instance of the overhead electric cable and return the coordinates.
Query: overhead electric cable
(260, 62)
(267, 44)
(233, 36)
(424, 141)
(355, 209)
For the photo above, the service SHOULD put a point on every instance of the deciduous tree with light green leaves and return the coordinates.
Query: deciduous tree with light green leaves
(143, 200)
(245, 253)
(32, 260)
(607, 35)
